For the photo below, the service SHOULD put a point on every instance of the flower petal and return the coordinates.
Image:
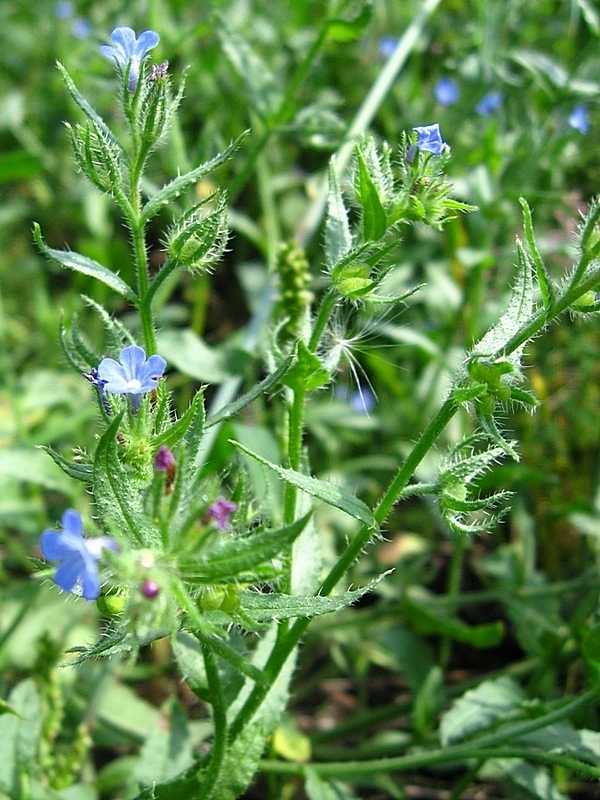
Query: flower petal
(68, 574)
(72, 522)
(113, 374)
(145, 42)
(90, 581)
(53, 546)
(132, 358)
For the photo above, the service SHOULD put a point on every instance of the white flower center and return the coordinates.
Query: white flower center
(134, 385)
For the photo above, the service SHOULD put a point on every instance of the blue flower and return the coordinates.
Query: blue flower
(579, 119)
(387, 45)
(446, 91)
(363, 400)
(489, 103)
(134, 375)
(127, 50)
(429, 139)
(78, 557)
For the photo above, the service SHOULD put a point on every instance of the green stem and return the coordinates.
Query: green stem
(454, 578)
(219, 709)
(545, 316)
(434, 758)
(484, 748)
(294, 446)
(285, 646)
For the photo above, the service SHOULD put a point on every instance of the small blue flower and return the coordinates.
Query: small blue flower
(446, 91)
(489, 103)
(81, 28)
(579, 119)
(387, 45)
(63, 9)
(78, 557)
(127, 50)
(429, 139)
(134, 375)
(363, 400)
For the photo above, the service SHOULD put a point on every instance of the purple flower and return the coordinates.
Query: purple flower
(134, 375)
(126, 50)
(489, 103)
(163, 460)
(429, 139)
(446, 91)
(78, 557)
(220, 511)
(579, 119)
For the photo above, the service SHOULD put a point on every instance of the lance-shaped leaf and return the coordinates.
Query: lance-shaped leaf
(517, 314)
(86, 266)
(263, 87)
(307, 372)
(80, 471)
(338, 239)
(233, 408)
(87, 109)
(235, 556)
(178, 185)
(547, 289)
(374, 220)
(330, 493)
(266, 607)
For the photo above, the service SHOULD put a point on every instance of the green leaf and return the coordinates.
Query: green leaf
(374, 220)
(307, 371)
(190, 354)
(235, 556)
(529, 780)
(20, 737)
(86, 266)
(342, 30)
(190, 425)
(479, 708)
(80, 472)
(168, 750)
(328, 492)
(265, 607)
(178, 185)
(233, 652)
(28, 464)
(427, 619)
(338, 239)
(545, 283)
(518, 313)
(562, 737)
(263, 88)
(87, 109)
(318, 789)
(241, 759)
(231, 409)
